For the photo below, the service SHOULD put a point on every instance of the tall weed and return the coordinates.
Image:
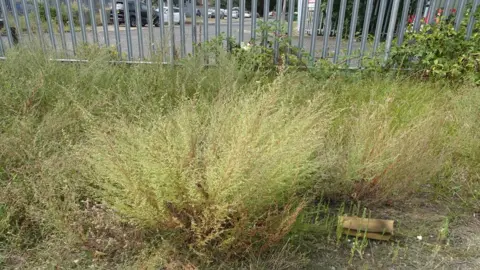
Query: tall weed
(223, 176)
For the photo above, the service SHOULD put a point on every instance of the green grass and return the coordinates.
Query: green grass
(111, 166)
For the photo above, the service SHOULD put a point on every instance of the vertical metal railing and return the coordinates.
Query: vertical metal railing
(50, 26)
(460, 13)
(182, 30)
(6, 23)
(194, 25)
(266, 9)
(103, 16)
(241, 30)
(205, 20)
(276, 44)
(378, 29)
(82, 20)
(341, 21)
(217, 17)
(126, 18)
(432, 11)
(403, 22)
(27, 20)
(161, 19)
(353, 29)
(313, 41)
(301, 33)
(15, 17)
(253, 34)
(72, 27)
(93, 21)
(418, 15)
(171, 31)
(139, 25)
(383, 22)
(229, 22)
(60, 26)
(116, 28)
(391, 27)
(151, 45)
(366, 27)
(472, 19)
(39, 24)
(327, 29)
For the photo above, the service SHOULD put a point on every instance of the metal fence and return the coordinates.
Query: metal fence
(339, 30)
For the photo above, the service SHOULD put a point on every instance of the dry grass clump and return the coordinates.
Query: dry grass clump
(217, 177)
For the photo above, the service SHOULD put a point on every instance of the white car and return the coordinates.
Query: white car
(235, 14)
(176, 15)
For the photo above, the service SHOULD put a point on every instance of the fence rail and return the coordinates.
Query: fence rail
(339, 30)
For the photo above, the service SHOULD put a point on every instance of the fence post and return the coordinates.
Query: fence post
(327, 28)
(403, 22)
(313, 41)
(353, 28)
(472, 20)
(391, 28)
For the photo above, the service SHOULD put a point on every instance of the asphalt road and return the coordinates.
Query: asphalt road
(153, 43)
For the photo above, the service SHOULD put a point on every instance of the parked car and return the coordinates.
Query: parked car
(246, 14)
(120, 7)
(176, 16)
(211, 13)
(235, 14)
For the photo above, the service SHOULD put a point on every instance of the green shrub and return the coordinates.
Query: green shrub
(440, 51)
(254, 55)
(63, 12)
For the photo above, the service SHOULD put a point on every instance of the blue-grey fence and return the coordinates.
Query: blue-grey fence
(340, 30)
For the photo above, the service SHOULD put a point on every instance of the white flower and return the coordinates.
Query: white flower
(419, 238)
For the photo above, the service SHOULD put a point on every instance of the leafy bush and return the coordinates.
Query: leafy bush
(256, 56)
(221, 177)
(440, 51)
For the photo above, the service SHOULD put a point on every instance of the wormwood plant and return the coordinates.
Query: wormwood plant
(221, 178)
(440, 51)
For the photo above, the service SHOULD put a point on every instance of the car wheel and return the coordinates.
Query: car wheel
(133, 21)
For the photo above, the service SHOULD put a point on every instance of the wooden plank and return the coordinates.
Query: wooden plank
(381, 226)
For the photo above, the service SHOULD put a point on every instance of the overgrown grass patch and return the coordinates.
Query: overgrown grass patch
(115, 166)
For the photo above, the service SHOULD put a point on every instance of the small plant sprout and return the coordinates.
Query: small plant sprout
(444, 232)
